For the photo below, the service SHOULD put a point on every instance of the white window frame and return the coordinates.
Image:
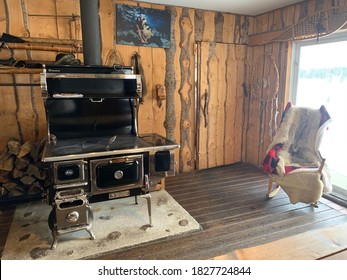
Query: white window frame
(340, 35)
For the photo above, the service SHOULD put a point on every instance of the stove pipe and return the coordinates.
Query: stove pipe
(91, 36)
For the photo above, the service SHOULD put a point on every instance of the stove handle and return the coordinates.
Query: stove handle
(68, 95)
(96, 100)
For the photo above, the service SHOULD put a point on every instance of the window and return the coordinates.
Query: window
(320, 78)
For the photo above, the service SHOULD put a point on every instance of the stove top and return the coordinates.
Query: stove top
(67, 149)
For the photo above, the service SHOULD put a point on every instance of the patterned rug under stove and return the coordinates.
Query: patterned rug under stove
(118, 224)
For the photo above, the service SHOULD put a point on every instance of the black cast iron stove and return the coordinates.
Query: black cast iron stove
(94, 152)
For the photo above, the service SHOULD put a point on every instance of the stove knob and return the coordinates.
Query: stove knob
(118, 174)
(72, 217)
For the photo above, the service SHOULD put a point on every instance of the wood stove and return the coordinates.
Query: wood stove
(94, 152)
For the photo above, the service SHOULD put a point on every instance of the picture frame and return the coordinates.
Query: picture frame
(138, 26)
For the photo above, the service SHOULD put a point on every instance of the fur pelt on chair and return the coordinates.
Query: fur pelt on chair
(296, 160)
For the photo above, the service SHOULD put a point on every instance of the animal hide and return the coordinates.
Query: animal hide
(297, 158)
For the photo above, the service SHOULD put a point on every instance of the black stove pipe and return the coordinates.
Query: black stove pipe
(91, 36)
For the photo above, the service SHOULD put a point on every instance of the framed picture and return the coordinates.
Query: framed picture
(139, 26)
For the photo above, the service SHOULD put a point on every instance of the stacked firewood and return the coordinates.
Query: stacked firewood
(22, 175)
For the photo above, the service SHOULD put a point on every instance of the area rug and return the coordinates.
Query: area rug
(118, 224)
(311, 245)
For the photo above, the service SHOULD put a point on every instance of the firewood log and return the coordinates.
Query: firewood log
(27, 180)
(3, 191)
(25, 149)
(33, 170)
(16, 191)
(21, 163)
(16, 173)
(35, 188)
(13, 147)
(7, 165)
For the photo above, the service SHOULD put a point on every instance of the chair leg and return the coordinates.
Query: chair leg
(315, 204)
(270, 185)
(272, 192)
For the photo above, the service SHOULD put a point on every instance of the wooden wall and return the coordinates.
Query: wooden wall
(21, 110)
(268, 72)
(22, 113)
(262, 77)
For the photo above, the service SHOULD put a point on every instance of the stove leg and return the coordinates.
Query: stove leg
(55, 236)
(149, 207)
(136, 199)
(92, 236)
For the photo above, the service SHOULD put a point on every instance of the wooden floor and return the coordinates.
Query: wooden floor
(230, 204)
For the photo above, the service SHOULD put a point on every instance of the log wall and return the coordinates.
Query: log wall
(53, 26)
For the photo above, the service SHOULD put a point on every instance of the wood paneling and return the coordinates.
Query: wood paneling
(22, 114)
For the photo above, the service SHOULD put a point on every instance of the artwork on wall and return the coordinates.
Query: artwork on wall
(139, 26)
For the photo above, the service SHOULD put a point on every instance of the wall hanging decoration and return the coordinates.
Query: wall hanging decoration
(319, 24)
(264, 88)
(139, 26)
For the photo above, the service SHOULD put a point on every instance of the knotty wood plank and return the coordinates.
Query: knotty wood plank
(4, 22)
(38, 109)
(16, 28)
(229, 24)
(221, 51)
(209, 26)
(186, 90)
(172, 82)
(158, 78)
(146, 117)
(230, 105)
(107, 24)
(25, 114)
(253, 129)
(212, 91)
(203, 51)
(8, 111)
(238, 120)
(65, 11)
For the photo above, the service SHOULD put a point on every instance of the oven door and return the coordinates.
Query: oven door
(116, 174)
